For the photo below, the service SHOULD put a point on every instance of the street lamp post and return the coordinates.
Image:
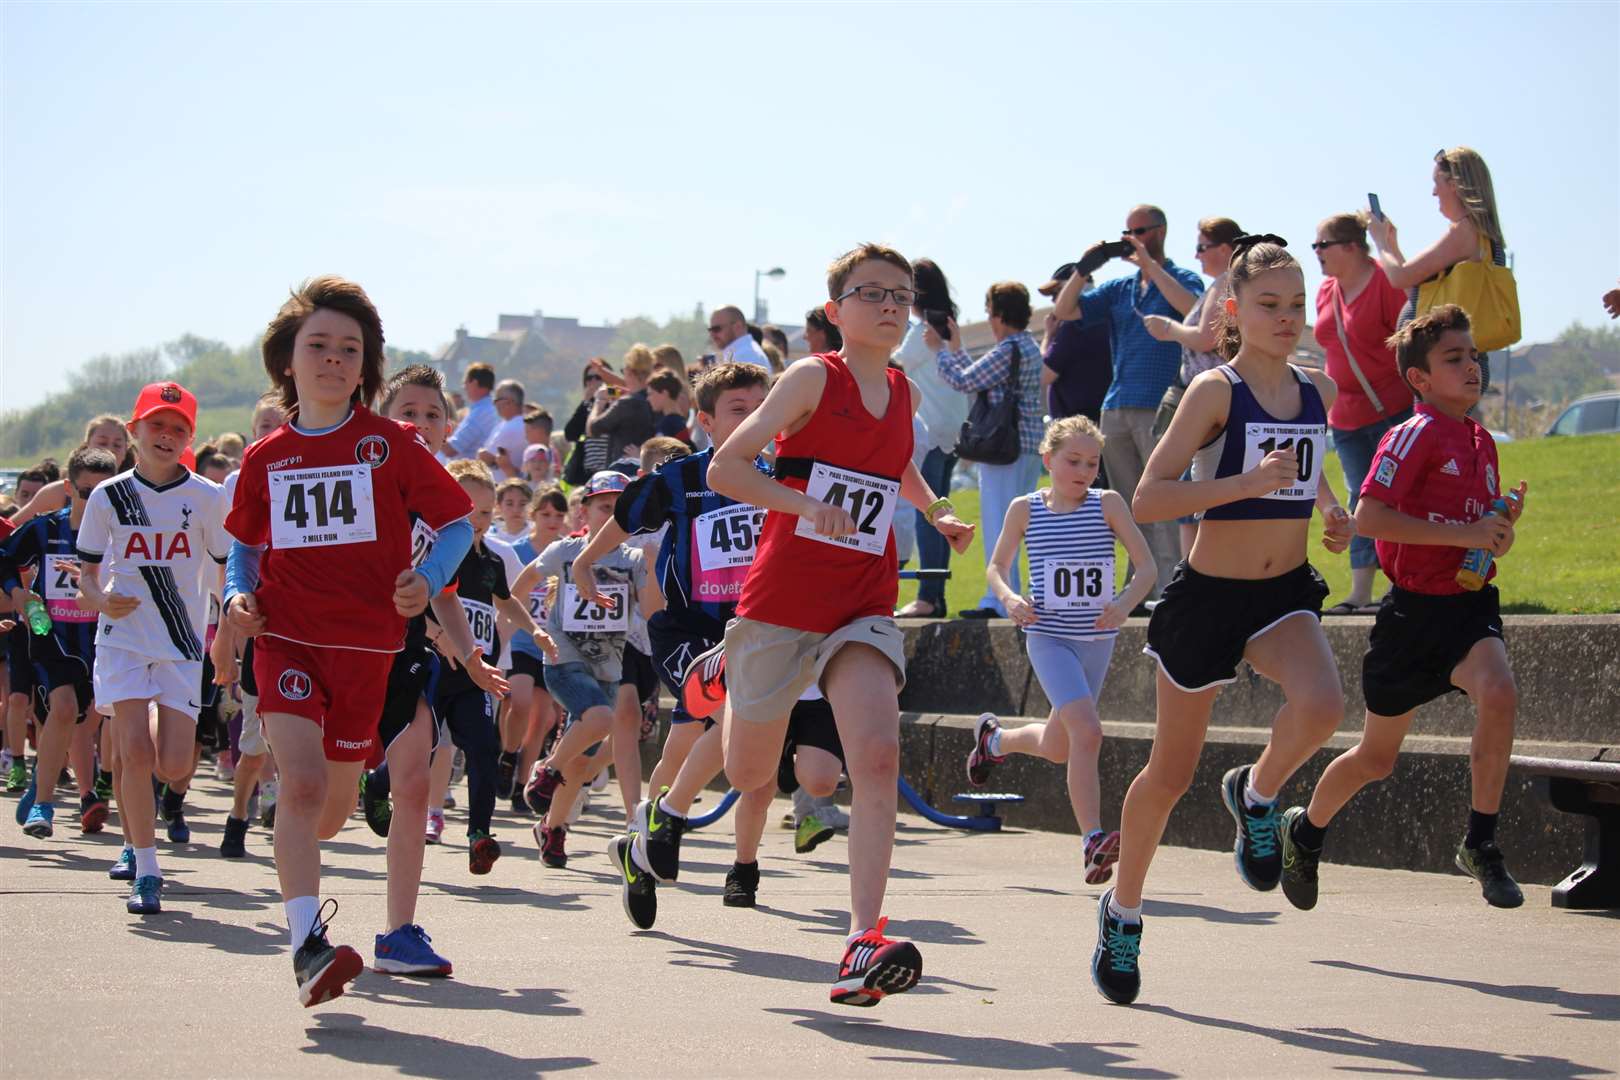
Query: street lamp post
(773, 272)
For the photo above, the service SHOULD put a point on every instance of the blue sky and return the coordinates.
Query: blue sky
(176, 168)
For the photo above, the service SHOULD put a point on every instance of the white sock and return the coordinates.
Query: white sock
(301, 914)
(663, 804)
(146, 864)
(993, 744)
(1253, 797)
(1124, 914)
(850, 940)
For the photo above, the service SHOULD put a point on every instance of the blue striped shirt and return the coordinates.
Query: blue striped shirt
(1082, 533)
(48, 543)
(993, 372)
(1143, 366)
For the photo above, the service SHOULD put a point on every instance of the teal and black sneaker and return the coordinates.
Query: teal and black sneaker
(1259, 862)
(1299, 863)
(657, 838)
(1116, 969)
(26, 804)
(378, 810)
(124, 868)
(1485, 865)
(638, 890)
(144, 896)
(41, 820)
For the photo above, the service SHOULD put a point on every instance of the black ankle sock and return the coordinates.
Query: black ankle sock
(378, 783)
(1481, 829)
(1307, 835)
(173, 802)
(104, 777)
(509, 758)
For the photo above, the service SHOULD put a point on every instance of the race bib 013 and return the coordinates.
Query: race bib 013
(1307, 441)
(869, 499)
(322, 507)
(581, 616)
(1077, 583)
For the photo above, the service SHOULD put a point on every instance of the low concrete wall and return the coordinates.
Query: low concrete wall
(1567, 667)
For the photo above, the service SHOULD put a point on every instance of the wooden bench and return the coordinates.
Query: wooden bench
(1590, 788)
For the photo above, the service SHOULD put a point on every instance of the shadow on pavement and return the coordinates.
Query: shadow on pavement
(1581, 1006)
(451, 993)
(974, 1051)
(834, 922)
(180, 925)
(784, 966)
(1418, 1059)
(1172, 909)
(487, 894)
(351, 1038)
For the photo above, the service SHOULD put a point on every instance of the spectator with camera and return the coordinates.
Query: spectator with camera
(1143, 365)
(1011, 367)
(623, 413)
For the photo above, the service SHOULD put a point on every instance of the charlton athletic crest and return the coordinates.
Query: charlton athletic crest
(293, 685)
(371, 450)
(170, 394)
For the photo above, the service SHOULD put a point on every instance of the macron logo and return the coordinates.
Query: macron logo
(1450, 468)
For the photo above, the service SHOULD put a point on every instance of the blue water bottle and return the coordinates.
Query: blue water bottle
(1476, 565)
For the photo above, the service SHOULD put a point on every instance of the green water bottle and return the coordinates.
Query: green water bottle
(39, 620)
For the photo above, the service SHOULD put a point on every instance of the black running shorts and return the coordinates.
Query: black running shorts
(1418, 640)
(532, 666)
(637, 671)
(413, 678)
(1202, 624)
(674, 649)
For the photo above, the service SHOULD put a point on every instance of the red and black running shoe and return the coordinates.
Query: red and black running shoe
(875, 967)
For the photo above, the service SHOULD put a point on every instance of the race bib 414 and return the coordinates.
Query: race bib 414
(320, 507)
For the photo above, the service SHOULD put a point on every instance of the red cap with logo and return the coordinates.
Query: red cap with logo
(155, 397)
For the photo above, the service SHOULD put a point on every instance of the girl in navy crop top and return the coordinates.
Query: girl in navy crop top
(1249, 434)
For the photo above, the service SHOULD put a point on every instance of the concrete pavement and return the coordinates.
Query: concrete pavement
(1394, 972)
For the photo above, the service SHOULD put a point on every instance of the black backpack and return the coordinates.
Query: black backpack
(990, 433)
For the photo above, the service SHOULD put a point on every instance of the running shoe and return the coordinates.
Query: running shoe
(144, 896)
(408, 951)
(1485, 865)
(552, 845)
(637, 889)
(92, 813)
(321, 969)
(541, 787)
(1102, 852)
(234, 843)
(41, 821)
(742, 885)
(1259, 861)
(377, 809)
(172, 803)
(435, 826)
(980, 760)
(875, 967)
(831, 813)
(703, 683)
(505, 767)
(520, 807)
(1116, 969)
(658, 839)
(179, 831)
(810, 833)
(482, 851)
(17, 777)
(103, 787)
(1299, 863)
(124, 868)
(25, 805)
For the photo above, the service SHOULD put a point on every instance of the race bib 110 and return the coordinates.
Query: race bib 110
(869, 499)
(1307, 441)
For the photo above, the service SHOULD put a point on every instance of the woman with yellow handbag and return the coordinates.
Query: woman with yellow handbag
(1468, 265)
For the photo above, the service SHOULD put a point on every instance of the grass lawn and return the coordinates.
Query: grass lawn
(1561, 561)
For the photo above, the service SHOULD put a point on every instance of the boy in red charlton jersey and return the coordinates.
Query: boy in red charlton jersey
(329, 497)
(817, 604)
(1427, 501)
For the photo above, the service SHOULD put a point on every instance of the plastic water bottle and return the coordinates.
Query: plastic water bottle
(1476, 565)
(39, 620)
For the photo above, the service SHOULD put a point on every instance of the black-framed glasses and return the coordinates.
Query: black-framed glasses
(1323, 245)
(874, 294)
(1139, 231)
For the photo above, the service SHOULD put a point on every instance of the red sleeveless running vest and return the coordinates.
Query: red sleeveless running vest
(851, 456)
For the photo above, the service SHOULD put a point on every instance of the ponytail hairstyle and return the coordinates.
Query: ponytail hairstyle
(1473, 180)
(1251, 255)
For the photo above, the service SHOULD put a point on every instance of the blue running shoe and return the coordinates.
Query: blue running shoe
(143, 898)
(1257, 850)
(40, 823)
(408, 951)
(124, 868)
(179, 831)
(26, 803)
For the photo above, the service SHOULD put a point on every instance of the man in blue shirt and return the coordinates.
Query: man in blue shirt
(474, 428)
(1143, 367)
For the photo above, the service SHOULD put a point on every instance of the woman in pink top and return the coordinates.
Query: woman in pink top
(1356, 311)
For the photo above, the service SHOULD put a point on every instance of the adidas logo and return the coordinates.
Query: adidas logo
(1450, 468)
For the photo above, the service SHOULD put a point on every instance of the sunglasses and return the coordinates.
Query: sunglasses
(1142, 231)
(718, 329)
(1199, 249)
(1323, 245)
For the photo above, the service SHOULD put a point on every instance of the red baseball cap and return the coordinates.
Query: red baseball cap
(155, 397)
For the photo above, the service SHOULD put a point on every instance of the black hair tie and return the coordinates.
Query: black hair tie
(1249, 240)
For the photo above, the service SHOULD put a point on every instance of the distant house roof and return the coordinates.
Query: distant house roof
(526, 338)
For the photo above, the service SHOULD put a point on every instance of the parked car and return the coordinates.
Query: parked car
(8, 481)
(1594, 414)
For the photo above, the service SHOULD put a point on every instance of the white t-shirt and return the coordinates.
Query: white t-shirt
(509, 434)
(164, 546)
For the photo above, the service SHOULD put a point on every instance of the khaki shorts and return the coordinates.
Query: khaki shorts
(768, 666)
